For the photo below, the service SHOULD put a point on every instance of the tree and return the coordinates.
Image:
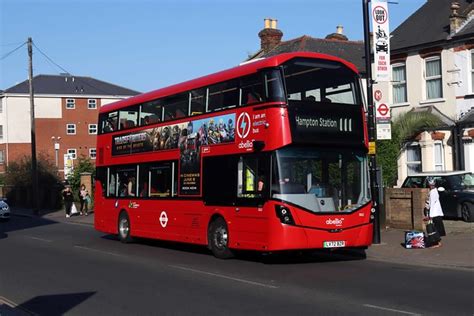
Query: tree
(18, 179)
(404, 128)
(84, 164)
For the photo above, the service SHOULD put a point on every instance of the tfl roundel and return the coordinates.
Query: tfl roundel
(243, 125)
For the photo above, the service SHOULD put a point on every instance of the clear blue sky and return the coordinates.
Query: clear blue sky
(145, 44)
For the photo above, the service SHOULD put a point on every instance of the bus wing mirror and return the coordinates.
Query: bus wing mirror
(258, 145)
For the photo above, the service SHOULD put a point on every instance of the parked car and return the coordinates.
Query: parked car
(457, 198)
(4, 210)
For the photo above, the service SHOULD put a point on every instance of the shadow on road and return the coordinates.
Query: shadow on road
(21, 222)
(58, 304)
(282, 257)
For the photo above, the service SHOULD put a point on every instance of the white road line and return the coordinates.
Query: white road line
(225, 277)
(100, 251)
(40, 239)
(391, 310)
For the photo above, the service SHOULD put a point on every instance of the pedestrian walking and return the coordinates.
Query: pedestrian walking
(83, 193)
(68, 200)
(434, 212)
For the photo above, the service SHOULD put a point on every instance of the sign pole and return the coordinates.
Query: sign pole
(371, 122)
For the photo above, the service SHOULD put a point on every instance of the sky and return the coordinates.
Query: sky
(145, 45)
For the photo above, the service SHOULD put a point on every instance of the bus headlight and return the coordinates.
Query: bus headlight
(284, 215)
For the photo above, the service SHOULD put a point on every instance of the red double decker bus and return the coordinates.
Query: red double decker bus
(270, 155)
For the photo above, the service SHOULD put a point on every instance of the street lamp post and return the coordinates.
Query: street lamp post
(56, 150)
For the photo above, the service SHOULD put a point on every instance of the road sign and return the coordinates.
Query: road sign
(383, 111)
(381, 40)
(384, 131)
(378, 95)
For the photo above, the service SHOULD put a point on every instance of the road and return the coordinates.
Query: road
(52, 268)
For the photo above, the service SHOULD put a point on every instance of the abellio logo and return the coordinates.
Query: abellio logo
(243, 125)
(335, 221)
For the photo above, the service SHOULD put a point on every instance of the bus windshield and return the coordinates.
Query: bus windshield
(321, 180)
(321, 81)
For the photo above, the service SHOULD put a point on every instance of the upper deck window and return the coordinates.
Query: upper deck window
(176, 106)
(223, 95)
(320, 81)
(151, 112)
(128, 117)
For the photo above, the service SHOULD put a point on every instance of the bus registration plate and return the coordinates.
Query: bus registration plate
(334, 244)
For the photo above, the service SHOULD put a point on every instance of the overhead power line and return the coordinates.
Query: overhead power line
(12, 51)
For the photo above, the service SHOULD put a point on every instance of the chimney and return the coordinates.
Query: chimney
(339, 36)
(455, 19)
(270, 36)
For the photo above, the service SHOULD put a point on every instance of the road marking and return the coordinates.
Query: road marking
(40, 239)
(391, 309)
(100, 251)
(226, 277)
(17, 310)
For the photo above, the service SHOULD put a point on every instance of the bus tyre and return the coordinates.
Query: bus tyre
(218, 239)
(124, 228)
(467, 211)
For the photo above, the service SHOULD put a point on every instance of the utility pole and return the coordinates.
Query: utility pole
(34, 169)
(371, 120)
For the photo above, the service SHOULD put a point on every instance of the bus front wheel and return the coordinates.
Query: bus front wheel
(218, 239)
(124, 228)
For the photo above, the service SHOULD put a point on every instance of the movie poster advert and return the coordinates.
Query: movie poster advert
(188, 137)
(204, 132)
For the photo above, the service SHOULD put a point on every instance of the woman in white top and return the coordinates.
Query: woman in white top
(434, 206)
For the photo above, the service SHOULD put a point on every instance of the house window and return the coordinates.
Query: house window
(72, 152)
(70, 104)
(92, 104)
(71, 129)
(2, 156)
(439, 156)
(399, 83)
(434, 87)
(1, 132)
(413, 158)
(92, 153)
(92, 129)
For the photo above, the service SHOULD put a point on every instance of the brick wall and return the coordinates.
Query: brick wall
(404, 207)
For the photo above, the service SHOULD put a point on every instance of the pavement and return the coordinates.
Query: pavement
(456, 251)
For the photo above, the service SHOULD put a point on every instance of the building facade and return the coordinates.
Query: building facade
(432, 71)
(66, 118)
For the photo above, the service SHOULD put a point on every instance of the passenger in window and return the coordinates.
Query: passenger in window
(109, 125)
(253, 97)
(260, 184)
(131, 186)
(311, 98)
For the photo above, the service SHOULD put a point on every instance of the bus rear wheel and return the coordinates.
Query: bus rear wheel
(124, 228)
(218, 239)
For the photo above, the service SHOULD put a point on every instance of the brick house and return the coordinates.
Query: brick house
(66, 111)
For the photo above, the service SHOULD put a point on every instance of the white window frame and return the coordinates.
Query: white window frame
(471, 52)
(92, 104)
(69, 127)
(435, 163)
(72, 152)
(92, 153)
(91, 128)
(413, 162)
(400, 83)
(437, 77)
(70, 104)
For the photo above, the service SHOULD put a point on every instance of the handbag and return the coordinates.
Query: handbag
(74, 209)
(432, 235)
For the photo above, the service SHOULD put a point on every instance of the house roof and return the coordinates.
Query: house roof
(430, 24)
(445, 120)
(467, 119)
(70, 85)
(352, 51)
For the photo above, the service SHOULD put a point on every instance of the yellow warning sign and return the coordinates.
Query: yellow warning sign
(371, 148)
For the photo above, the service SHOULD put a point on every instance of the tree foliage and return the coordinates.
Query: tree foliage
(83, 164)
(404, 128)
(19, 173)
